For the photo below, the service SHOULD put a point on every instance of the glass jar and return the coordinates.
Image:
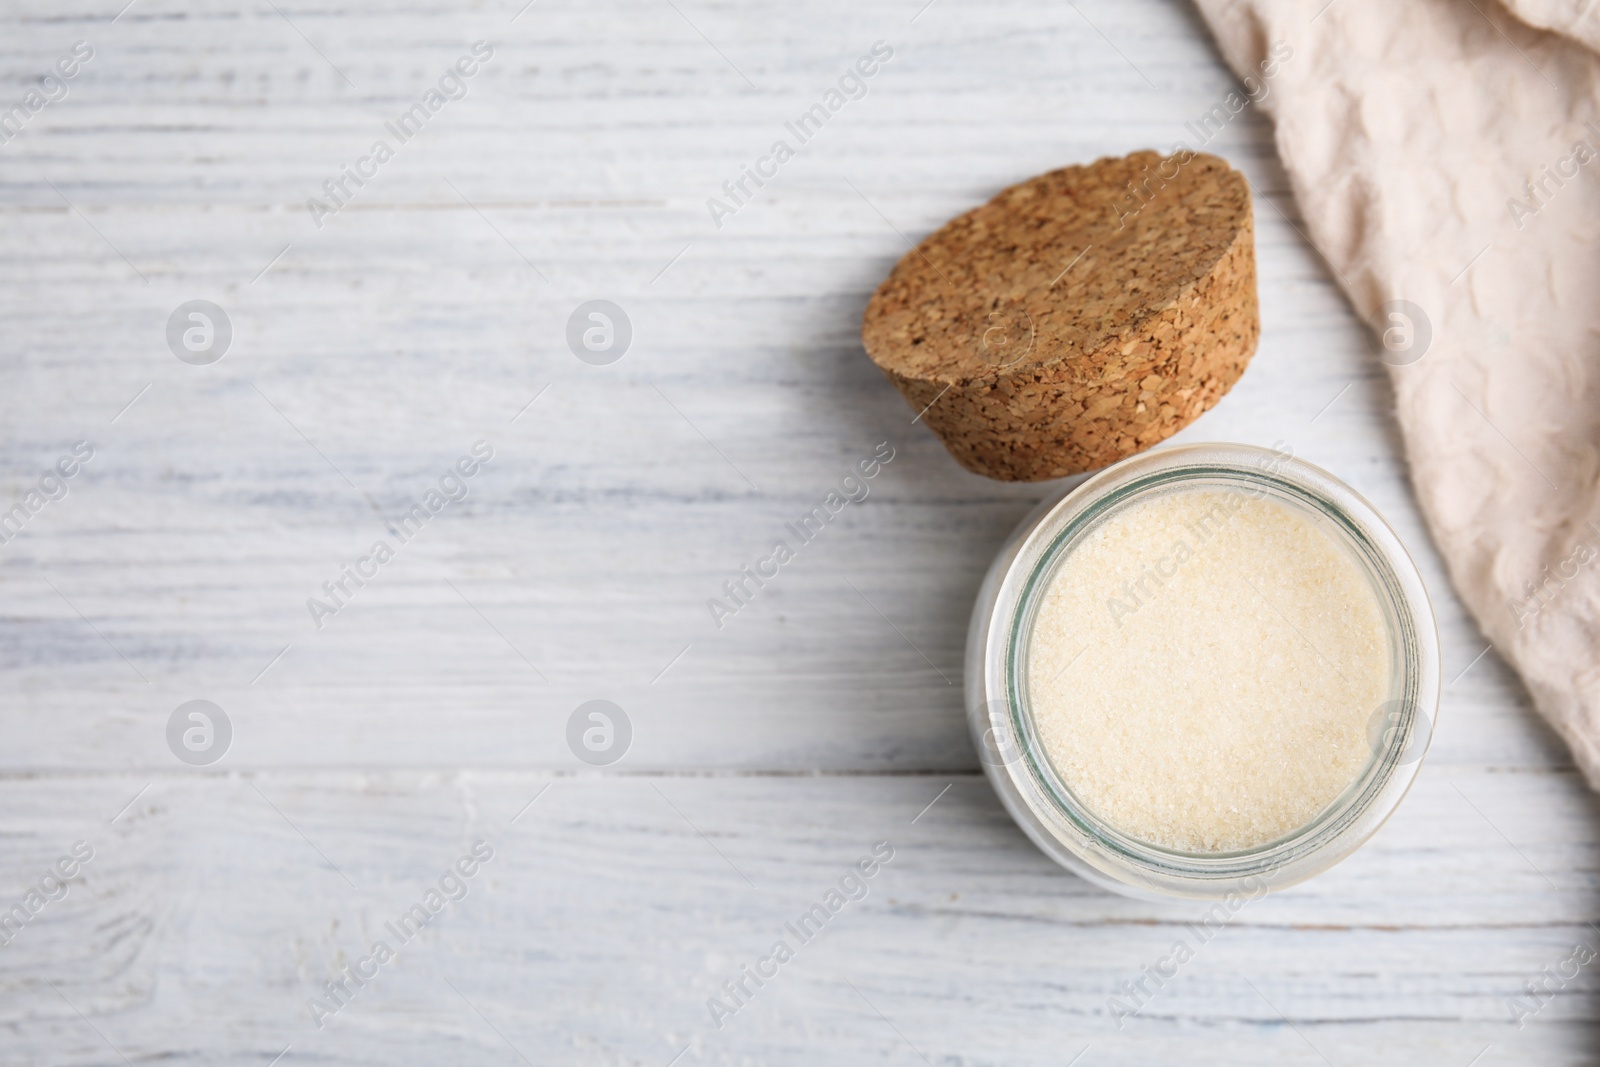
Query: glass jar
(1028, 784)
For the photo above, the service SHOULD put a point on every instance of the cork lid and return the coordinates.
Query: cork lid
(1084, 287)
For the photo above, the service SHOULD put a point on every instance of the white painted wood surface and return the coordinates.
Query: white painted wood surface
(769, 755)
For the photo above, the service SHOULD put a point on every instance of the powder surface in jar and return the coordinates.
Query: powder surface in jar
(1203, 668)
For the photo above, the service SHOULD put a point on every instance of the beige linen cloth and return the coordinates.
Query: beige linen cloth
(1447, 153)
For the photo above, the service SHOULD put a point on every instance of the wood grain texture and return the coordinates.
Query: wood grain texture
(370, 353)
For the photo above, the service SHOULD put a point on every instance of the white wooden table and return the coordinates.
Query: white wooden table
(766, 757)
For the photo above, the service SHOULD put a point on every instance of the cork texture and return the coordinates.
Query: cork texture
(1078, 317)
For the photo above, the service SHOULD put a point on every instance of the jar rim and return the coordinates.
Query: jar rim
(1343, 825)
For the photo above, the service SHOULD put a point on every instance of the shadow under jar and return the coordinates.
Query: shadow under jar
(1209, 670)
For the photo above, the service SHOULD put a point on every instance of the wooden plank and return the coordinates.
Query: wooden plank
(613, 908)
